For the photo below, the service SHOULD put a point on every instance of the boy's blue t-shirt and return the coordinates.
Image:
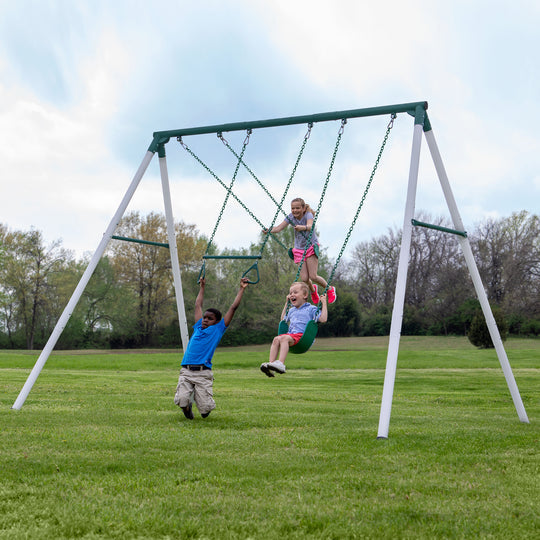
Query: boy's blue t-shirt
(299, 317)
(203, 343)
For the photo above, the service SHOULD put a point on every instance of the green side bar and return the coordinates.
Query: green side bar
(232, 257)
(438, 228)
(135, 240)
(163, 137)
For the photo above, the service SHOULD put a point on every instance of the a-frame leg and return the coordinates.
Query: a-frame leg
(172, 248)
(401, 283)
(475, 276)
(75, 297)
(399, 299)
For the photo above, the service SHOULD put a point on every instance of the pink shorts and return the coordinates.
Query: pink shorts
(296, 337)
(299, 253)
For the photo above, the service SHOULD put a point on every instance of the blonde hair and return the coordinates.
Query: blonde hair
(304, 204)
(304, 287)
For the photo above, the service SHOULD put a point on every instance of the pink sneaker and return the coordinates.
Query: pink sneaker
(315, 295)
(332, 296)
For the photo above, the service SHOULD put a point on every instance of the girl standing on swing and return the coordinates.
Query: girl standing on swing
(301, 218)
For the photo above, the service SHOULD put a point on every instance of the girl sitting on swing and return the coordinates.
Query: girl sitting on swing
(298, 316)
(301, 218)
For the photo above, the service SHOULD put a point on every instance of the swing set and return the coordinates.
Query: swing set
(422, 127)
(311, 330)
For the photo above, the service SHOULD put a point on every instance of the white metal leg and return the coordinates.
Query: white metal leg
(75, 297)
(174, 252)
(401, 283)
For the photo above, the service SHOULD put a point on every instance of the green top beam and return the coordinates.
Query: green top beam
(163, 137)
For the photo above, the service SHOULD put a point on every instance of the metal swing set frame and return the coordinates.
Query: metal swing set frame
(422, 126)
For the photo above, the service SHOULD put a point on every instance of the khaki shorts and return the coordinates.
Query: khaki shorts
(196, 386)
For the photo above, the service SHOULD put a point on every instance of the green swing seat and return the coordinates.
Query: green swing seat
(307, 339)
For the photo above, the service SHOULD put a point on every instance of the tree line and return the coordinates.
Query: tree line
(130, 302)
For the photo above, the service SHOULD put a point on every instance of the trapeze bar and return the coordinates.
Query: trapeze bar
(438, 228)
(161, 137)
(135, 240)
(232, 256)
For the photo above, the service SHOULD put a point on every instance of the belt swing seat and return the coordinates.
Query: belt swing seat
(307, 339)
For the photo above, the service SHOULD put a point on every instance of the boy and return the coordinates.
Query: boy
(298, 316)
(196, 377)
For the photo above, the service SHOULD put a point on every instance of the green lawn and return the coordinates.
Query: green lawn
(99, 450)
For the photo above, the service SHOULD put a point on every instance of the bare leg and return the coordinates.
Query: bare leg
(280, 346)
(284, 349)
(304, 276)
(312, 266)
(274, 349)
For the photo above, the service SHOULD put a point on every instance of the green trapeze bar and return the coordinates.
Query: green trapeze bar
(438, 228)
(232, 256)
(162, 137)
(148, 242)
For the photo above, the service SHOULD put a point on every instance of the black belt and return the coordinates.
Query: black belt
(197, 367)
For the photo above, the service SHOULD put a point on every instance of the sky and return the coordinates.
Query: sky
(84, 84)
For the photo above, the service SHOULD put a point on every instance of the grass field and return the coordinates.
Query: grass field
(99, 449)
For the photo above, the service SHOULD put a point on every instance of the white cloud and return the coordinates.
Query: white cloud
(57, 160)
(60, 159)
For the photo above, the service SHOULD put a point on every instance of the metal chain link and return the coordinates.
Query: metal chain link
(213, 174)
(229, 191)
(368, 185)
(280, 204)
(328, 175)
(254, 176)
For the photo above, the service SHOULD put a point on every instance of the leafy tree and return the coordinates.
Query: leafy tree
(376, 321)
(28, 268)
(373, 269)
(343, 317)
(508, 255)
(105, 307)
(144, 272)
(479, 334)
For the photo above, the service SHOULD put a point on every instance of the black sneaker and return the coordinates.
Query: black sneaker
(188, 413)
(266, 370)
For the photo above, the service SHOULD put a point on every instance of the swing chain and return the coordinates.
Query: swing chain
(280, 204)
(220, 181)
(328, 175)
(229, 190)
(368, 185)
(254, 176)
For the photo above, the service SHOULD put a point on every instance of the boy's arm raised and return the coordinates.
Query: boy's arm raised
(230, 313)
(199, 301)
